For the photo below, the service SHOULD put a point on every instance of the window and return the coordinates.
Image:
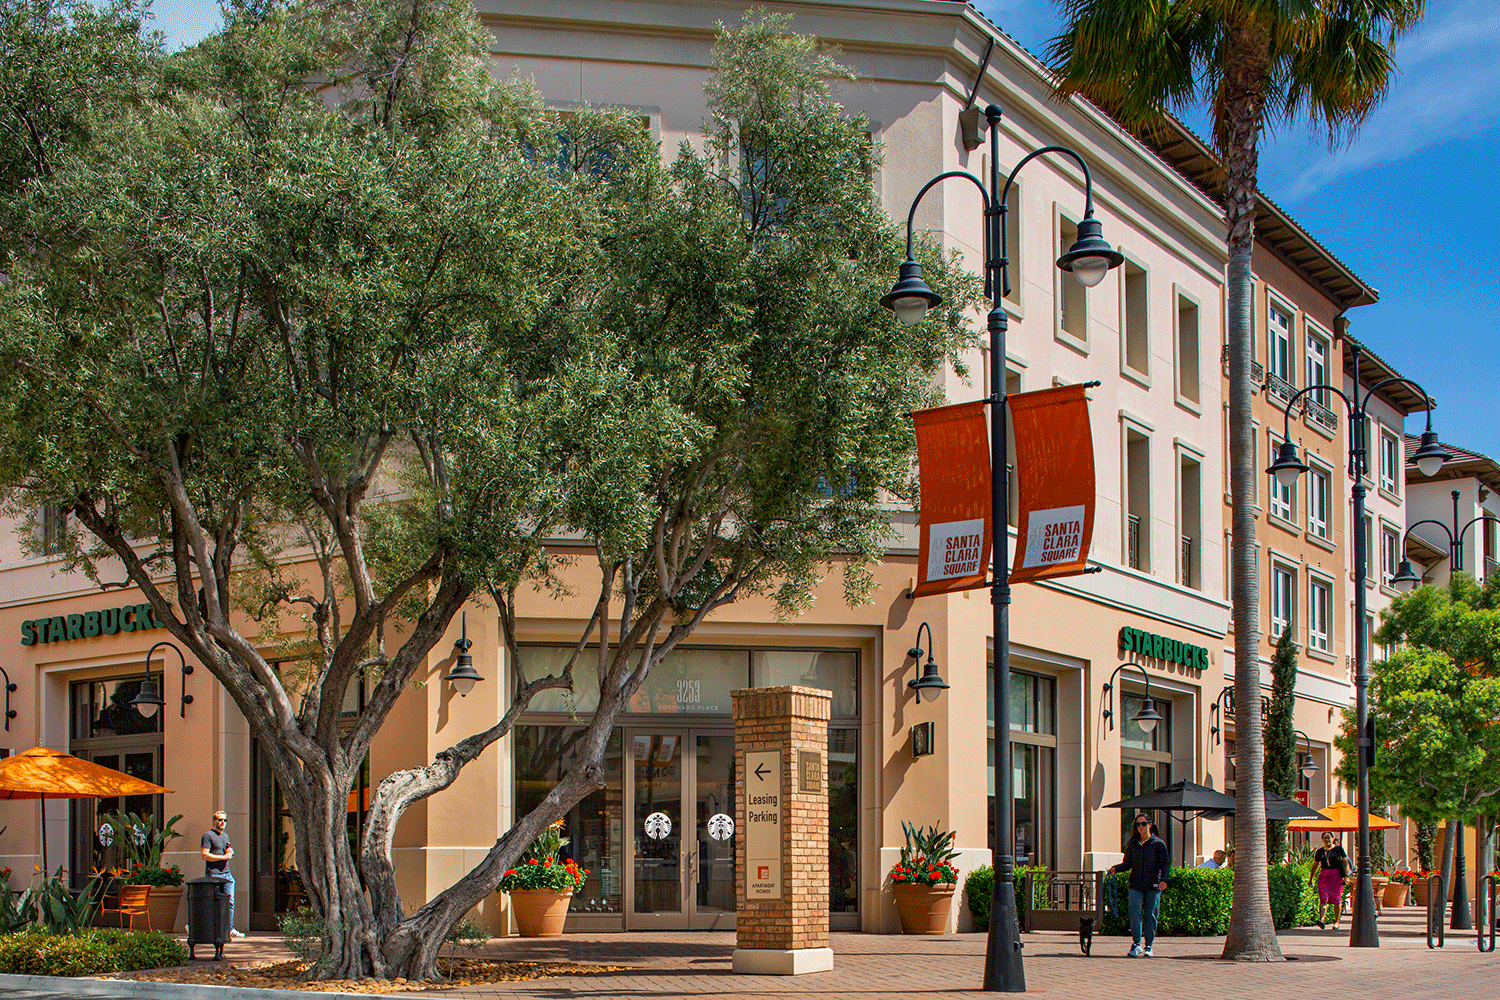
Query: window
(1013, 243)
(1188, 364)
(1317, 365)
(1013, 502)
(1318, 495)
(1369, 550)
(1390, 554)
(1072, 297)
(1283, 498)
(1135, 343)
(1390, 463)
(1283, 594)
(54, 527)
(1278, 343)
(1137, 547)
(1190, 523)
(1319, 601)
(1033, 756)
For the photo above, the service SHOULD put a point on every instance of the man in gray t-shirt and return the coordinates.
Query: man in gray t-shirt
(217, 850)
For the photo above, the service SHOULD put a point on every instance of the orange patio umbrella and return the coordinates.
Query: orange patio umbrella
(1342, 817)
(42, 773)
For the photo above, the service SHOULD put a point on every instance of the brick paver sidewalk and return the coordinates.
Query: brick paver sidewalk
(869, 967)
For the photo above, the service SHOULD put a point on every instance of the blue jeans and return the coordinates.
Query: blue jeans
(226, 882)
(1145, 907)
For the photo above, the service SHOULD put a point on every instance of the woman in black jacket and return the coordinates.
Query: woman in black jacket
(1149, 863)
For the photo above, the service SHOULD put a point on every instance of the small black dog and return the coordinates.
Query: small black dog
(1086, 934)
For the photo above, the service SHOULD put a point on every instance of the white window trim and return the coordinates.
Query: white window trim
(1079, 344)
(1288, 520)
(1178, 293)
(1294, 568)
(1280, 303)
(1311, 328)
(1387, 530)
(1181, 449)
(1146, 430)
(1384, 434)
(1327, 472)
(1142, 378)
(1314, 577)
(1015, 303)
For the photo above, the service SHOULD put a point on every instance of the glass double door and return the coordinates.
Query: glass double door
(682, 835)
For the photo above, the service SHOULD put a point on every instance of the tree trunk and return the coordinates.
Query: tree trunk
(1252, 932)
(1450, 831)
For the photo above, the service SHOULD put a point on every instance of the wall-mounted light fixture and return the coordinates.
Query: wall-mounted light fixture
(1311, 767)
(148, 700)
(1147, 717)
(923, 735)
(9, 687)
(1222, 708)
(463, 676)
(930, 681)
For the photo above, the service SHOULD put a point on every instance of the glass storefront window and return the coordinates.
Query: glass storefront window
(543, 755)
(1033, 702)
(691, 682)
(1132, 735)
(837, 672)
(541, 661)
(843, 820)
(102, 709)
(1033, 811)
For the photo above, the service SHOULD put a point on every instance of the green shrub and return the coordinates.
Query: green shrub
(979, 888)
(90, 952)
(305, 934)
(1198, 900)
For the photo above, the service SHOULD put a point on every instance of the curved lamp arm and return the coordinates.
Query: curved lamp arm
(1311, 767)
(1215, 716)
(1147, 717)
(9, 687)
(187, 668)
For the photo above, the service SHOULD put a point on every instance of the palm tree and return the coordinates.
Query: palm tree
(1254, 62)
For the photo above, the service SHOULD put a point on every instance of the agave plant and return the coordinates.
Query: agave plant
(930, 844)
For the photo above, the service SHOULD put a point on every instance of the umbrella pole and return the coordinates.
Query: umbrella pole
(44, 836)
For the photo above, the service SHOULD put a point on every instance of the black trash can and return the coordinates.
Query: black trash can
(208, 915)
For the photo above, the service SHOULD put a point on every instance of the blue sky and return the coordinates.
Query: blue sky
(1398, 206)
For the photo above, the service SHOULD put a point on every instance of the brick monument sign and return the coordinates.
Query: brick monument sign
(781, 857)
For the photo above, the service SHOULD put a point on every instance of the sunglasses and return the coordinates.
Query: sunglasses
(1143, 823)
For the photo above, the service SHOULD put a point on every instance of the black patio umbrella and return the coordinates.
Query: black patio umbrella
(1186, 797)
(1277, 808)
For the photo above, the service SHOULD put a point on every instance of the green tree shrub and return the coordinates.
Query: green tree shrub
(979, 890)
(90, 952)
(1198, 901)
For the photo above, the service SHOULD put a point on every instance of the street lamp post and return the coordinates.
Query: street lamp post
(1089, 259)
(1406, 579)
(1287, 468)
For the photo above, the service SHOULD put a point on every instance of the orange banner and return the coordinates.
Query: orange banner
(1055, 482)
(953, 458)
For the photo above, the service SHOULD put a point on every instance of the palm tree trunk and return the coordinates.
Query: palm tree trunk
(1252, 932)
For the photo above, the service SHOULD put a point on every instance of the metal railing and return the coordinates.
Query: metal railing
(1488, 916)
(1279, 388)
(1060, 899)
(1319, 414)
(1491, 567)
(1187, 561)
(1257, 371)
(1133, 541)
(1437, 908)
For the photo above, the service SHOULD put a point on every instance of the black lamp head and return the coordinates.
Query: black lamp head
(1287, 467)
(930, 681)
(148, 699)
(910, 298)
(1147, 717)
(1090, 257)
(1430, 454)
(463, 676)
(1406, 577)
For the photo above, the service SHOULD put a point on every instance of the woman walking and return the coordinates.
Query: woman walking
(1329, 873)
(1149, 863)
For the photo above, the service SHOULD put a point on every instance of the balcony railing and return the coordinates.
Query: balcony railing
(1279, 388)
(1491, 567)
(1133, 541)
(1257, 373)
(1187, 561)
(1319, 414)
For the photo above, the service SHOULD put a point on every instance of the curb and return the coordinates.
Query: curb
(136, 988)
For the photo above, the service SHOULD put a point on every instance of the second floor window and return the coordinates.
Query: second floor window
(1390, 463)
(1278, 344)
(1317, 503)
(1283, 498)
(1283, 594)
(1319, 600)
(1390, 549)
(1317, 367)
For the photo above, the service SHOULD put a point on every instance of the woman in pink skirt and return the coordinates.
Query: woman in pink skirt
(1330, 870)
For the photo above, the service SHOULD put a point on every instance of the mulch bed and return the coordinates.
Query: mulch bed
(291, 976)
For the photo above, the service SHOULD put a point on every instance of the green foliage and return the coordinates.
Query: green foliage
(1425, 833)
(37, 952)
(141, 875)
(546, 845)
(466, 934)
(926, 857)
(139, 838)
(1280, 740)
(558, 876)
(1198, 901)
(53, 907)
(979, 889)
(305, 934)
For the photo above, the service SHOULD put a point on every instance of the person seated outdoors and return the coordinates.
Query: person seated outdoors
(1215, 861)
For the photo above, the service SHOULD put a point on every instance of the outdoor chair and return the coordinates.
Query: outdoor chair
(131, 905)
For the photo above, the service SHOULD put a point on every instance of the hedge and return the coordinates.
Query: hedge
(89, 952)
(1198, 900)
(979, 888)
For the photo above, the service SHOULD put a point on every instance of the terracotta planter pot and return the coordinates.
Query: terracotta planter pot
(161, 907)
(1395, 894)
(924, 909)
(540, 912)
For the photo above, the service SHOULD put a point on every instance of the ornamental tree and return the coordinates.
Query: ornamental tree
(317, 331)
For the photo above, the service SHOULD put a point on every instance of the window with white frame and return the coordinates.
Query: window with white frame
(1072, 297)
(1013, 242)
(1283, 596)
(1390, 463)
(1134, 316)
(1390, 554)
(1188, 363)
(1319, 603)
(1317, 364)
(1278, 343)
(1319, 493)
(1283, 498)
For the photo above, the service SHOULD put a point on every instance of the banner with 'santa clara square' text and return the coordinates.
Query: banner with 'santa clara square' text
(953, 456)
(1055, 482)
